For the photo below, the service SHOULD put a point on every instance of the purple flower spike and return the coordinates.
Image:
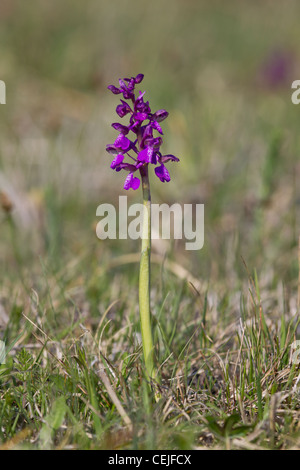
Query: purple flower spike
(144, 145)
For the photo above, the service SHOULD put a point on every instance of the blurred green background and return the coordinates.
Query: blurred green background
(223, 70)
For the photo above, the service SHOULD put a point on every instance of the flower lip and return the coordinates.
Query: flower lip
(162, 173)
(122, 143)
(131, 182)
(117, 160)
(145, 155)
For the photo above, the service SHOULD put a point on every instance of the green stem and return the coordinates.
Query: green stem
(144, 282)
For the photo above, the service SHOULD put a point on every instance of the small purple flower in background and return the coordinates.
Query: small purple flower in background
(144, 148)
(277, 69)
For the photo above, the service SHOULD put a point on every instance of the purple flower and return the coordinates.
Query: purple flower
(122, 143)
(277, 69)
(144, 148)
(123, 109)
(160, 115)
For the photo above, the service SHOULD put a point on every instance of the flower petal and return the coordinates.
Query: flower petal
(167, 158)
(154, 142)
(114, 89)
(119, 127)
(147, 132)
(131, 182)
(123, 109)
(117, 160)
(162, 173)
(127, 167)
(139, 78)
(146, 155)
(160, 115)
(112, 149)
(135, 184)
(140, 116)
(140, 97)
(157, 127)
(122, 143)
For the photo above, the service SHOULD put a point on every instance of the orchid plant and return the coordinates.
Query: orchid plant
(140, 151)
